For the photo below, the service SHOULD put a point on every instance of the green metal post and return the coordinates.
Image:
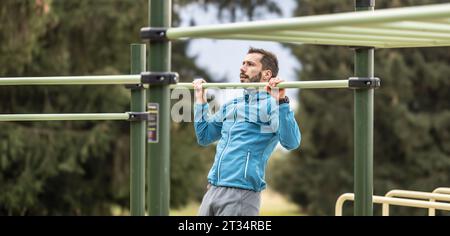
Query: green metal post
(363, 127)
(137, 135)
(158, 154)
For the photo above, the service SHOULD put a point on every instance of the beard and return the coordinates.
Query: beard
(254, 79)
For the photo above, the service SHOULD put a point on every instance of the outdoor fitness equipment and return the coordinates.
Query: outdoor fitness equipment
(363, 31)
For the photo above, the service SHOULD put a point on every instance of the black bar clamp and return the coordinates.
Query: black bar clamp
(154, 34)
(134, 86)
(364, 82)
(159, 78)
(138, 116)
(364, 3)
(361, 47)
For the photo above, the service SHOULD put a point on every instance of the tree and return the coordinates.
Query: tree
(82, 168)
(70, 168)
(411, 140)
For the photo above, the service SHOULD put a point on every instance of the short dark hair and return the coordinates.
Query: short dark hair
(269, 61)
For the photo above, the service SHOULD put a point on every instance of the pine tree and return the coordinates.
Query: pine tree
(411, 134)
(82, 167)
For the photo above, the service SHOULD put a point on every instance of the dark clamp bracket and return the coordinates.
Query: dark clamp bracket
(365, 3)
(154, 34)
(159, 78)
(134, 86)
(138, 116)
(361, 47)
(363, 83)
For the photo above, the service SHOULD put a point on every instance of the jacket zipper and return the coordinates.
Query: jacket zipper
(246, 164)
(248, 151)
(226, 145)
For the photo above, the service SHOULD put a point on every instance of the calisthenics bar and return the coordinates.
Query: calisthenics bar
(136, 79)
(61, 117)
(295, 84)
(72, 80)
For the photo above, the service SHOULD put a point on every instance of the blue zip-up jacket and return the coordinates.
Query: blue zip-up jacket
(248, 129)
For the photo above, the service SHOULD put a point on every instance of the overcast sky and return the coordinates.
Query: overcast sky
(222, 58)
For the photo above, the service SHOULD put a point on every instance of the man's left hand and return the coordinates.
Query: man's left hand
(271, 87)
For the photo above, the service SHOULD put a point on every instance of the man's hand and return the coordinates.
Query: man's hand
(200, 92)
(277, 93)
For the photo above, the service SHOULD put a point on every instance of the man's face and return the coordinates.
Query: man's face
(251, 68)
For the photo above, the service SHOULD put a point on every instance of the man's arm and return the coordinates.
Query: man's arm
(288, 131)
(282, 118)
(207, 129)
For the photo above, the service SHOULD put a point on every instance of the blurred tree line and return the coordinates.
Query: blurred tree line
(412, 121)
(82, 167)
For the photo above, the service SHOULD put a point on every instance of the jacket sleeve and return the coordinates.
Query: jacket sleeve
(284, 124)
(207, 128)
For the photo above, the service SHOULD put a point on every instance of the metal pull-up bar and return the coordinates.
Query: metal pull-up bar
(136, 79)
(130, 116)
(295, 84)
(151, 77)
(72, 80)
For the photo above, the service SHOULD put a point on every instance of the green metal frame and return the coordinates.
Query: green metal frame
(363, 129)
(420, 26)
(137, 127)
(364, 30)
(137, 135)
(158, 154)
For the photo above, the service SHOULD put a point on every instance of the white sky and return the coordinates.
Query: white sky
(222, 58)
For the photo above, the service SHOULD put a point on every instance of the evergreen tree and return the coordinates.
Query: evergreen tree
(411, 133)
(78, 167)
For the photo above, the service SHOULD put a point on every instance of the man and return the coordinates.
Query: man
(248, 129)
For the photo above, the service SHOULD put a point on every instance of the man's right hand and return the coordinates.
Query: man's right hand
(200, 92)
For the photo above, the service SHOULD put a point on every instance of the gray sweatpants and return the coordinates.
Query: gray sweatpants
(225, 201)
